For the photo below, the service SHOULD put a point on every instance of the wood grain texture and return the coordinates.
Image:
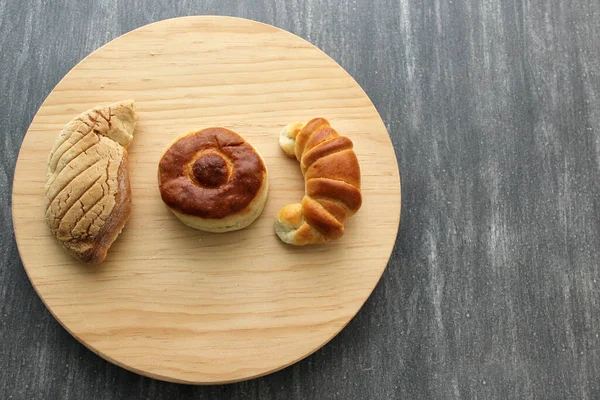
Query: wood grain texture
(178, 304)
(492, 289)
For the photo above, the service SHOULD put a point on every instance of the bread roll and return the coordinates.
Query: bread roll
(213, 180)
(87, 192)
(332, 175)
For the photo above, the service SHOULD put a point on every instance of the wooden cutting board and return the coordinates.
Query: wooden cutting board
(178, 304)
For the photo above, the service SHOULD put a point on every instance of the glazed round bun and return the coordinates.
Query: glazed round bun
(213, 180)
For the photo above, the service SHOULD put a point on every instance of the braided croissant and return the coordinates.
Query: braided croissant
(332, 176)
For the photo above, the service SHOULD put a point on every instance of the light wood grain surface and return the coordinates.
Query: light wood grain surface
(493, 107)
(177, 304)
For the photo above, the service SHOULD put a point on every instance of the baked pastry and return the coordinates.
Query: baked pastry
(332, 175)
(87, 192)
(213, 180)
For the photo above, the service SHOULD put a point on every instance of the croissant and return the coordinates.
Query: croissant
(332, 183)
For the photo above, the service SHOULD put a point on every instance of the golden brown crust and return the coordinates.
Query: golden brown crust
(211, 173)
(341, 166)
(340, 191)
(320, 219)
(325, 148)
(313, 126)
(332, 176)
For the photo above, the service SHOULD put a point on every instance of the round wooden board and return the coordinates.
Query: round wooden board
(178, 304)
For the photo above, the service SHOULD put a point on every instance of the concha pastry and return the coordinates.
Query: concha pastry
(87, 193)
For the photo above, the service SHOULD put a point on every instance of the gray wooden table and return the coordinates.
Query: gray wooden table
(493, 289)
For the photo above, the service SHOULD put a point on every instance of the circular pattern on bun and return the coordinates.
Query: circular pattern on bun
(213, 180)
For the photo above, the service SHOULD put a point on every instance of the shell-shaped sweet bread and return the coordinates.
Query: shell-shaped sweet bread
(87, 192)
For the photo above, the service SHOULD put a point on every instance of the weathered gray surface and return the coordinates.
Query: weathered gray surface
(493, 290)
